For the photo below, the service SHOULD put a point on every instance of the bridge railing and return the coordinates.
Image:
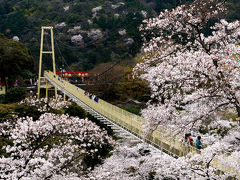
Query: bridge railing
(161, 138)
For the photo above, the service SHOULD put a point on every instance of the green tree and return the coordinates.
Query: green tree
(133, 88)
(14, 59)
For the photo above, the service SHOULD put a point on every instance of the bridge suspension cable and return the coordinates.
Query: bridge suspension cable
(63, 59)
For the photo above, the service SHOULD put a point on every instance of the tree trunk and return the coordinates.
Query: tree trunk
(238, 111)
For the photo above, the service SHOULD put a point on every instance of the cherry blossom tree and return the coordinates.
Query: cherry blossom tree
(192, 65)
(191, 62)
(53, 146)
(141, 162)
(44, 104)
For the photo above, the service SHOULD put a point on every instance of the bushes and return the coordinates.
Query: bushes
(2, 99)
(30, 111)
(6, 111)
(75, 110)
(15, 94)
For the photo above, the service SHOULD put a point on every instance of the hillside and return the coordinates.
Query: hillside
(86, 32)
(14, 54)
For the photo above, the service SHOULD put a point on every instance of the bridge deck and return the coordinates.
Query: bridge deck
(160, 138)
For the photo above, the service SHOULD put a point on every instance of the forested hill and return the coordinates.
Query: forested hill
(87, 32)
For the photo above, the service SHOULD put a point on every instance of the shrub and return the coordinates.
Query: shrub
(2, 99)
(15, 94)
(30, 111)
(75, 110)
(6, 111)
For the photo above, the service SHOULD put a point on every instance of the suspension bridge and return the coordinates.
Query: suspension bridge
(162, 139)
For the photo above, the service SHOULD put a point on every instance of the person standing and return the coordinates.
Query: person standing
(198, 143)
(31, 81)
(16, 83)
(188, 139)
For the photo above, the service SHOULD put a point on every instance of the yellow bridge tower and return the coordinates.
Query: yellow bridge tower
(40, 77)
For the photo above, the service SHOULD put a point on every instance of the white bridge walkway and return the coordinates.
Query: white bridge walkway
(126, 122)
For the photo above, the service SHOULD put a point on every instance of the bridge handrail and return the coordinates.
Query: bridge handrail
(133, 123)
(160, 137)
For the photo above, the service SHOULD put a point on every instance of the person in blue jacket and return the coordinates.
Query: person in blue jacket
(198, 143)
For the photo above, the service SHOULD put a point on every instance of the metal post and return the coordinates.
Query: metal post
(46, 88)
(53, 57)
(161, 145)
(64, 97)
(40, 63)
